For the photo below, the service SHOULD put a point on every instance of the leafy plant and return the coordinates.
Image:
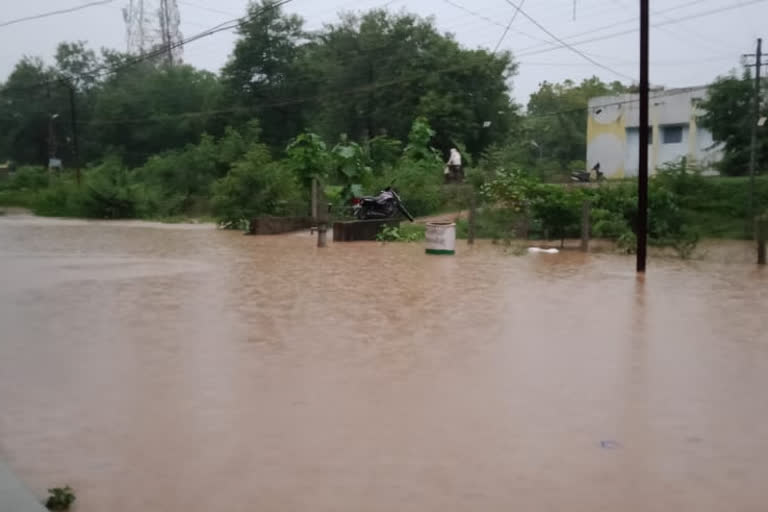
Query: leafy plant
(350, 163)
(255, 186)
(510, 188)
(558, 210)
(309, 157)
(401, 234)
(61, 498)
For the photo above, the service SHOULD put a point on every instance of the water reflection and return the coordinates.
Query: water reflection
(177, 368)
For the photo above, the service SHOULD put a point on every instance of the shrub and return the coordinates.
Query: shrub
(405, 233)
(27, 178)
(61, 498)
(557, 209)
(255, 186)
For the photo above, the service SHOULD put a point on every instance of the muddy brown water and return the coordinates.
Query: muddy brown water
(181, 368)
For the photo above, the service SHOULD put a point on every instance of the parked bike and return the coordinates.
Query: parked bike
(586, 177)
(383, 206)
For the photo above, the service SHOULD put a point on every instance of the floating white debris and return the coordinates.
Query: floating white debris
(540, 250)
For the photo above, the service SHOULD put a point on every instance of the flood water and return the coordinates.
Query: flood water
(181, 368)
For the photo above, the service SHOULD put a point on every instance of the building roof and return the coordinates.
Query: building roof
(603, 101)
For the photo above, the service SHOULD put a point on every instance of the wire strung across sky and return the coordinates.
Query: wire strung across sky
(54, 13)
(105, 70)
(228, 25)
(509, 25)
(568, 45)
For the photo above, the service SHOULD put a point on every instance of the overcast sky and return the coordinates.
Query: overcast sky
(687, 46)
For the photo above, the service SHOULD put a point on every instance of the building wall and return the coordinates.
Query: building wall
(613, 135)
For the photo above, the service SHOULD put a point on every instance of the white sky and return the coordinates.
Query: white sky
(689, 52)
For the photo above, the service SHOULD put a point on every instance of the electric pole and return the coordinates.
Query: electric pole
(753, 144)
(73, 121)
(642, 171)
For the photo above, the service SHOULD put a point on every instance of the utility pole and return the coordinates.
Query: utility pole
(322, 214)
(642, 172)
(51, 138)
(753, 144)
(73, 121)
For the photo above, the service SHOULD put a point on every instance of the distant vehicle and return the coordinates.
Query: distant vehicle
(586, 177)
(383, 206)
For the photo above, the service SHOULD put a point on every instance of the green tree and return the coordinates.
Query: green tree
(728, 115)
(256, 185)
(555, 132)
(391, 67)
(262, 76)
(29, 103)
(143, 110)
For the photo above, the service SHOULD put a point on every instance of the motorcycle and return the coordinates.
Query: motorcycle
(383, 206)
(586, 177)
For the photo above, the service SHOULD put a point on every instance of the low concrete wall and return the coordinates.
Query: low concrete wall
(277, 225)
(356, 230)
(14, 497)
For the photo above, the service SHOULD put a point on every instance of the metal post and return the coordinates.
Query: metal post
(642, 172)
(73, 120)
(322, 214)
(314, 200)
(472, 216)
(51, 138)
(762, 235)
(753, 145)
(586, 210)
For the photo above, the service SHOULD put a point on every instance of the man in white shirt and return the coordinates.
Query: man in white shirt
(455, 173)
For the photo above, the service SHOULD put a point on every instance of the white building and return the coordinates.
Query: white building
(613, 132)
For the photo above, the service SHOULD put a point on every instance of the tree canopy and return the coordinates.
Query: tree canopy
(728, 114)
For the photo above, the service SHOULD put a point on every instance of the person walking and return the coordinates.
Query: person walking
(454, 173)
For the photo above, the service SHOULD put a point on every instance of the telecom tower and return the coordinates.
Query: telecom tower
(153, 25)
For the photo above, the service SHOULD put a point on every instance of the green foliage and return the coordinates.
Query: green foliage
(255, 185)
(510, 188)
(309, 157)
(418, 183)
(419, 142)
(558, 209)
(405, 233)
(264, 70)
(397, 65)
(728, 115)
(491, 223)
(609, 224)
(350, 164)
(26, 178)
(557, 122)
(61, 498)
(383, 152)
(145, 110)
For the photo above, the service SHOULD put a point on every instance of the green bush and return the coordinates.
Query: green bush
(558, 210)
(418, 183)
(61, 498)
(26, 178)
(405, 233)
(256, 186)
(608, 224)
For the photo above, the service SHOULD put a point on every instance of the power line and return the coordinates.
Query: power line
(633, 20)
(103, 70)
(492, 21)
(566, 45)
(671, 21)
(365, 90)
(54, 13)
(536, 49)
(509, 25)
(205, 8)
